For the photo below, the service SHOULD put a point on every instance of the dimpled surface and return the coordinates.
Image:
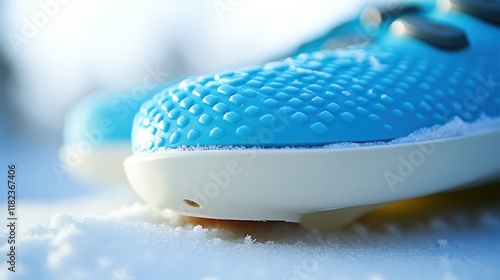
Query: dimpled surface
(380, 91)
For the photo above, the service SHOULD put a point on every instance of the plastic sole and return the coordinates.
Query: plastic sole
(292, 184)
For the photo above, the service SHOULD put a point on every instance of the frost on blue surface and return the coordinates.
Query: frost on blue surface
(454, 128)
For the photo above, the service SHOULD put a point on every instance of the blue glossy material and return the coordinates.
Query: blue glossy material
(106, 116)
(374, 91)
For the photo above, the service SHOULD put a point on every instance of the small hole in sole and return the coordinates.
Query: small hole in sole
(191, 203)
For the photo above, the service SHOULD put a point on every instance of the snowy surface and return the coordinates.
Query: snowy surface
(458, 241)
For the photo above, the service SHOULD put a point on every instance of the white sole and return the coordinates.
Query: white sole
(100, 163)
(293, 184)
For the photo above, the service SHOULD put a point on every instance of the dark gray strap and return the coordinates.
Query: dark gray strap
(439, 34)
(488, 10)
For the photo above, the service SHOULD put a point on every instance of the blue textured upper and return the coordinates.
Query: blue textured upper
(377, 91)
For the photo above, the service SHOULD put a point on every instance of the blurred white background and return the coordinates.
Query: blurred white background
(59, 50)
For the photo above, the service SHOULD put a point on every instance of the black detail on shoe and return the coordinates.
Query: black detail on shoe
(351, 33)
(439, 34)
(488, 10)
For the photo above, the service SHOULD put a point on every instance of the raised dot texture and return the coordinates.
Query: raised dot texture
(398, 113)
(178, 96)
(267, 119)
(282, 96)
(362, 100)
(158, 117)
(216, 133)
(305, 96)
(333, 107)
(201, 91)
(195, 109)
(193, 134)
(236, 82)
(271, 103)
(226, 89)
(309, 109)
(291, 90)
(205, 119)
(387, 82)
(408, 106)
(243, 131)
(299, 117)
(357, 88)
(374, 117)
(231, 117)
(186, 102)
(182, 121)
(381, 93)
(295, 102)
(335, 88)
(329, 95)
(175, 137)
(399, 91)
(163, 125)
(275, 85)
(237, 99)
(361, 110)
(386, 99)
(348, 117)
(153, 113)
(173, 114)
(350, 104)
(286, 111)
(249, 93)
(210, 99)
(326, 116)
(268, 90)
(167, 106)
(252, 110)
(255, 83)
(315, 88)
(317, 101)
(379, 107)
(220, 108)
(161, 142)
(424, 105)
(318, 128)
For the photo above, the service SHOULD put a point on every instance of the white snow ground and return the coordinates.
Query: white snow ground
(458, 240)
